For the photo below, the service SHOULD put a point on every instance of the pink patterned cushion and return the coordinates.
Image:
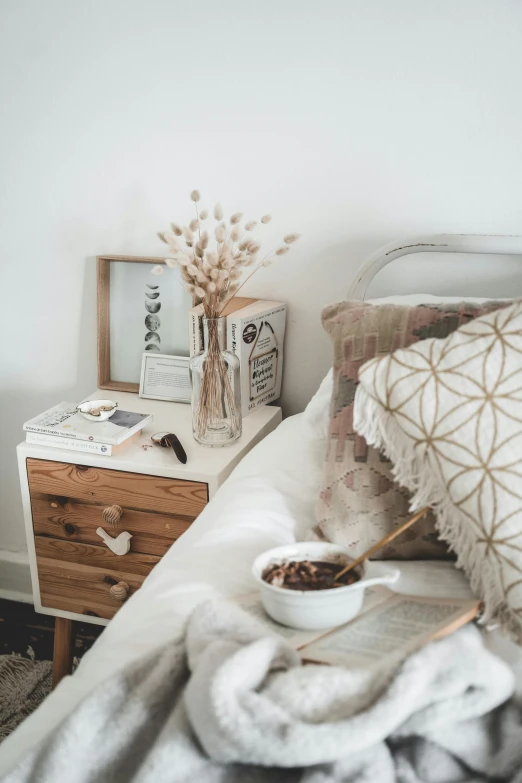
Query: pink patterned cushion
(359, 501)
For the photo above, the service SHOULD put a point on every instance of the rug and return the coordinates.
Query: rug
(24, 684)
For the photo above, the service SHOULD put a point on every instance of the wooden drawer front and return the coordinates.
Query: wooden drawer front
(71, 520)
(77, 577)
(109, 487)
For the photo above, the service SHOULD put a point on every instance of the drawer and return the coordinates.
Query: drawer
(110, 487)
(78, 577)
(76, 521)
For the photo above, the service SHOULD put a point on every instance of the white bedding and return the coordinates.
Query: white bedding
(267, 501)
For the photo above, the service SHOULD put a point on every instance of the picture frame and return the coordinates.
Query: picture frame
(129, 300)
(165, 377)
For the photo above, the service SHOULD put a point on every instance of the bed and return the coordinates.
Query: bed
(266, 502)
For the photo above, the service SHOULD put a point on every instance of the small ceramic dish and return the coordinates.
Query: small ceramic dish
(97, 410)
(316, 609)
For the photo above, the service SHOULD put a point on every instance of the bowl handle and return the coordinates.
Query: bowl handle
(377, 573)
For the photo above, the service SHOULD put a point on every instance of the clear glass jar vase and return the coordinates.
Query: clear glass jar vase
(216, 390)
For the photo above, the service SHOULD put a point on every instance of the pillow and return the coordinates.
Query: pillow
(449, 414)
(316, 415)
(359, 501)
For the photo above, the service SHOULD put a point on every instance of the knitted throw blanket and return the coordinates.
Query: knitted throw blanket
(227, 702)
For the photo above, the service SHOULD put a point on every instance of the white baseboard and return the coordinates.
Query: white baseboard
(15, 578)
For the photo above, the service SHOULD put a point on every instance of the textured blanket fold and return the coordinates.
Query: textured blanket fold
(230, 703)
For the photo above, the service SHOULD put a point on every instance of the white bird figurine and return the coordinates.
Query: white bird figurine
(119, 545)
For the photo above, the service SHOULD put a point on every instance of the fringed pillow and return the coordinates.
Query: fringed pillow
(448, 413)
(359, 501)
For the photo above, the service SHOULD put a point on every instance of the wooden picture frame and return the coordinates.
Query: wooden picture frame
(103, 272)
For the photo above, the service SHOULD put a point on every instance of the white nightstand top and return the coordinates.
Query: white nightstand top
(210, 465)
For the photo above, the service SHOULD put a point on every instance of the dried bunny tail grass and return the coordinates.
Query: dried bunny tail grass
(156, 270)
(171, 263)
(203, 215)
(250, 226)
(199, 250)
(211, 287)
(199, 292)
(244, 244)
(253, 248)
(266, 219)
(218, 212)
(201, 277)
(176, 229)
(204, 240)
(192, 270)
(282, 250)
(235, 218)
(194, 224)
(214, 273)
(235, 234)
(290, 238)
(161, 236)
(187, 234)
(170, 238)
(220, 232)
(212, 258)
(195, 195)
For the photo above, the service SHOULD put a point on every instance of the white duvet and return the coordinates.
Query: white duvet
(267, 501)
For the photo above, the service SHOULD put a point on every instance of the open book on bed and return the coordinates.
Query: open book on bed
(389, 626)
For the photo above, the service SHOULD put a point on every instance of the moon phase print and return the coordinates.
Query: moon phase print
(153, 307)
(146, 314)
(152, 322)
(152, 337)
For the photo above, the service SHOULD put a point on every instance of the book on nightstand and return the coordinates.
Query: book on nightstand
(255, 333)
(63, 427)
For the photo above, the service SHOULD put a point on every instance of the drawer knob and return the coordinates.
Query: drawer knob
(112, 514)
(119, 592)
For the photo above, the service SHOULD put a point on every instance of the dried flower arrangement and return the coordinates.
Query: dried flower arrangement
(213, 275)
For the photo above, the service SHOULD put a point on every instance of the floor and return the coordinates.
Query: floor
(21, 627)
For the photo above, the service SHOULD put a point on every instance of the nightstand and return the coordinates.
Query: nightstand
(68, 494)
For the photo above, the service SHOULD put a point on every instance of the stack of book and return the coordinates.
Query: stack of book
(62, 427)
(255, 333)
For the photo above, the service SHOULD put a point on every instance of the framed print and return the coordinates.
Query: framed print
(137, 312)
(165, 377)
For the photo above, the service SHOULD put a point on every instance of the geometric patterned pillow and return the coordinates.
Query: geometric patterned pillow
(449, 414)
(359, 501)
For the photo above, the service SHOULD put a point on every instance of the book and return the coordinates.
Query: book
(64, 421)
(196, 320)
(85, 446)
(388, 628)
(255, 334)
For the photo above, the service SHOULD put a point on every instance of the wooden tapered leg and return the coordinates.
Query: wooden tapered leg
(63, 649)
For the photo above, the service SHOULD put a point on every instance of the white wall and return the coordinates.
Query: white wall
(355, 122)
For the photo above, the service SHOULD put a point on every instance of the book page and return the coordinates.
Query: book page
(432, 579)
(390, 631)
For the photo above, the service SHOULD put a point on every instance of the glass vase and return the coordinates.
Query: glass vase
(216, 390)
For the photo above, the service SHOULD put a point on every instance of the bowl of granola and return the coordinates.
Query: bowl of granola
(300, 589)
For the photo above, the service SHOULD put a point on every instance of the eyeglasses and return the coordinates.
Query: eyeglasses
(169, 440)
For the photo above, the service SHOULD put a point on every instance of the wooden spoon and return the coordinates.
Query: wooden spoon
(386, 540)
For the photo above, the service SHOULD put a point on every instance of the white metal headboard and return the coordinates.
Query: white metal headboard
(437, 243)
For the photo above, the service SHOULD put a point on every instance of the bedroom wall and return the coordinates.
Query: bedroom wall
(354, 122)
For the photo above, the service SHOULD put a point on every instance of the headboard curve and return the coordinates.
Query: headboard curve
(435, 243)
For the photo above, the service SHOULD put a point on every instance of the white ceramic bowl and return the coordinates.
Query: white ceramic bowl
(85, 407)
(315, 609)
